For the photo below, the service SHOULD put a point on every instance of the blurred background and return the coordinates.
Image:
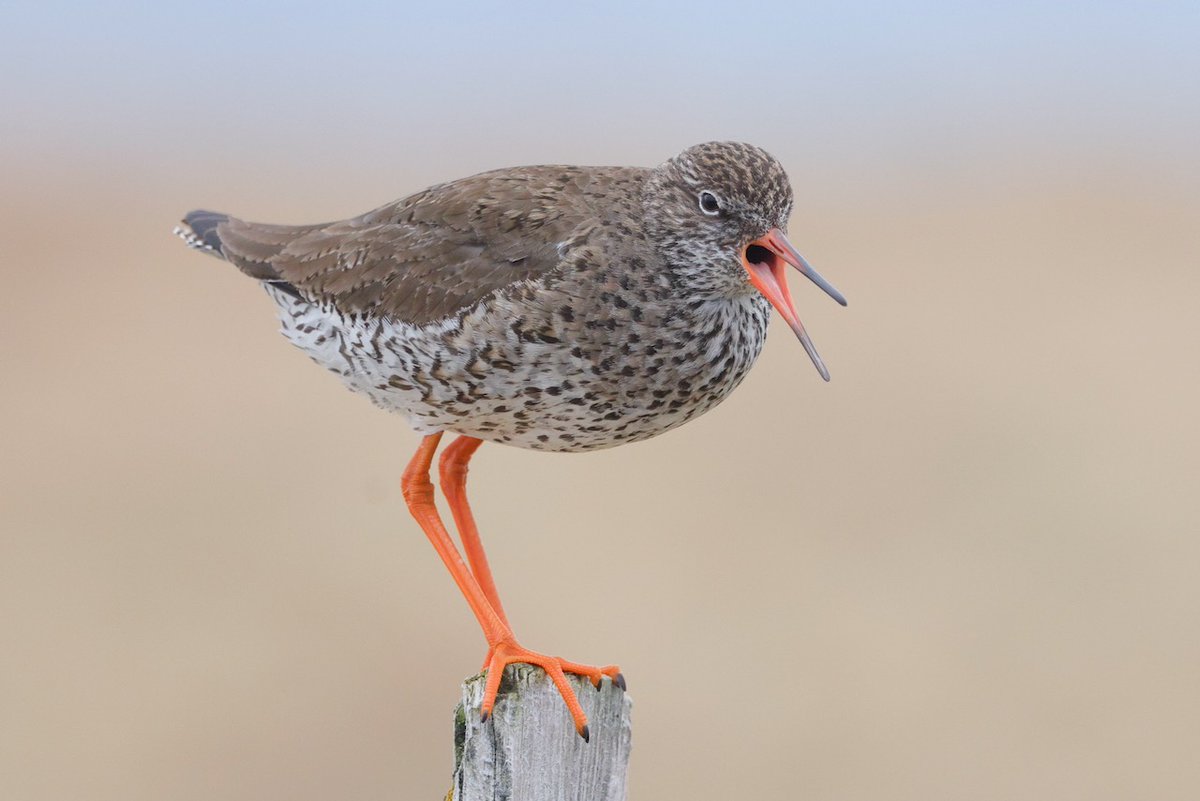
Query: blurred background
(966, 568)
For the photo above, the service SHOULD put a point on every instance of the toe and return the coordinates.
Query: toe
(495, 670)
(593, 674)
(568, 695)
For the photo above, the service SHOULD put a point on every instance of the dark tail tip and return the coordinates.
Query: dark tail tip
(199, 230)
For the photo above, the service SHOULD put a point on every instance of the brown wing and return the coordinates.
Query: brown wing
(430, 255)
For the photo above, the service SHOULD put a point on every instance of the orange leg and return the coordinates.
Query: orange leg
(502, 645)
(452, 468)
(418, 494)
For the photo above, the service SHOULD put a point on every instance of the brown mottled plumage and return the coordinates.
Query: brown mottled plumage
(434, 253)
(554, 308)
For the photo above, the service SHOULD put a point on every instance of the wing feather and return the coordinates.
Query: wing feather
(433, 254)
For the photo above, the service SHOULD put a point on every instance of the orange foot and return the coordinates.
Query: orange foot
(507, 652)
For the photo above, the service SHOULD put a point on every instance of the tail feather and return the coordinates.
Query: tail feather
(199, 230)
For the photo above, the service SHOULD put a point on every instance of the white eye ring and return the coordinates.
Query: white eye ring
(710, 204)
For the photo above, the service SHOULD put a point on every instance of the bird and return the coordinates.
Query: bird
(555, 308)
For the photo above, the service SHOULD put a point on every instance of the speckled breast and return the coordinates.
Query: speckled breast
(535, 376)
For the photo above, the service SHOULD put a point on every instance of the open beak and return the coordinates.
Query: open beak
(768, 274)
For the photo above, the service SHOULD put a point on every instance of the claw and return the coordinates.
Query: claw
(484, 715)
(619, 679)
(585, 734)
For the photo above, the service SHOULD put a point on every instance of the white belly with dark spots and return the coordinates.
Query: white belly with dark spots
(484, 378)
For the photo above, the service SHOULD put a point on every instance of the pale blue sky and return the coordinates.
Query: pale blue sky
(587, 83)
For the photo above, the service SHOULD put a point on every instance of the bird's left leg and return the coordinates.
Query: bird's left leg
(503, 649)
(502, 645)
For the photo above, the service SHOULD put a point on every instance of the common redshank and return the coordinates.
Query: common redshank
(555, 308)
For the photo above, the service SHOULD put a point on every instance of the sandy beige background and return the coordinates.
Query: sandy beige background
(966, 568)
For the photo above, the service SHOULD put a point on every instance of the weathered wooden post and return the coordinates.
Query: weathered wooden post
(528, 749)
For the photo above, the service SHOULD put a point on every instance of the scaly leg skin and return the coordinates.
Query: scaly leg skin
(452, 468)
(503, 648)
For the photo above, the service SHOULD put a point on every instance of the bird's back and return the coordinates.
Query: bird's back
(433, 254)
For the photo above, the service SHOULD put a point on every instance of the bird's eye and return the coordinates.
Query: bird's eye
(709, 204)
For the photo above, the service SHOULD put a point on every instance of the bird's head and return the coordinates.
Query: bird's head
(718, 213)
